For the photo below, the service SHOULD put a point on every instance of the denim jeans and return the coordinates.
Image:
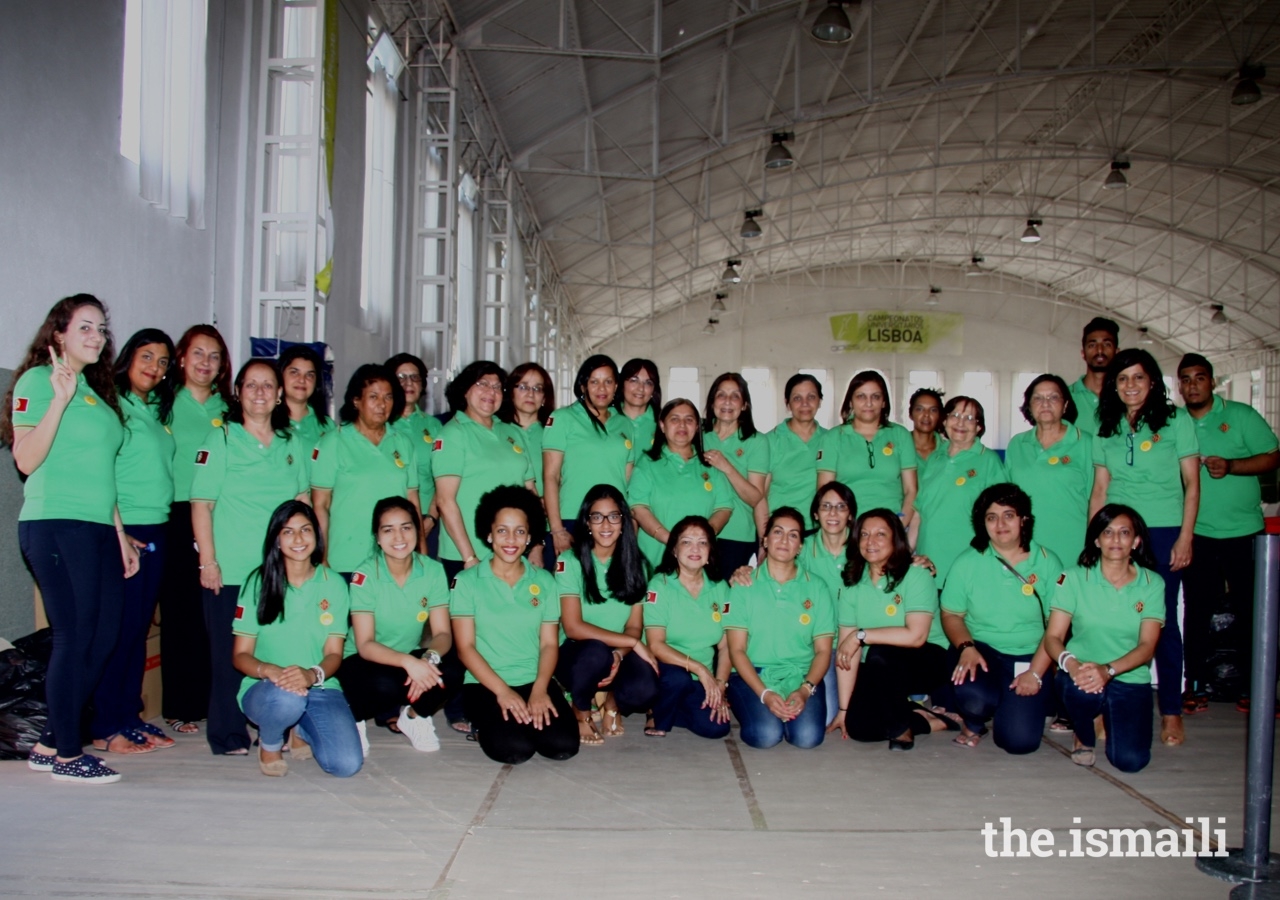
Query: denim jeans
(322, 718)
(1018, 721)
(1126, 713)
(679, 704)
(762, 729)
(582, 665)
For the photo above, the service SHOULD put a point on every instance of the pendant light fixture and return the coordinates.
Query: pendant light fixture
(1032, 234)
(731, 274)
(779, 157)
(832, 25)
(750, 227)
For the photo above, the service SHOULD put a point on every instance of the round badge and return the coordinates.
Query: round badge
(516, 447)
(706, 486)
(1028, 590)
(715, 617)
(1053, 460)
(216, 423)
(891, 610)
(422, 615)
(888, 450)
(961, 480)
(426, 438)
(92, 401)
(628, 444)
(805, 619)
(326, 618)
(1145, 445)
(399, 462)
(535, 590)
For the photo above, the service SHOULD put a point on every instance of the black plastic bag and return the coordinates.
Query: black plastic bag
(20, 728)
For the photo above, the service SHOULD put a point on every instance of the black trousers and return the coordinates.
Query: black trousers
(511, 742)
(228, 728)
(374, 690)
(1218, 615)
(184, 643)
(879, 708)
(582, 665)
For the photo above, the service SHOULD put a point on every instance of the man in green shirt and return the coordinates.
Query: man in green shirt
(1098, 344)
(1236, 446)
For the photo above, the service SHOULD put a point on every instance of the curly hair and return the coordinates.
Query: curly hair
(509, 496)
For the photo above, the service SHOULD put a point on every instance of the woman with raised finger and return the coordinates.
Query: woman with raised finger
(506, 616)
(741, 453)
(421, 429)
(302, 376)
(640, 400)
(994, 608)
(794, 445)
(601, 581)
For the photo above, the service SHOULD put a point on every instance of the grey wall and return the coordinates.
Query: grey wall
(17, 613)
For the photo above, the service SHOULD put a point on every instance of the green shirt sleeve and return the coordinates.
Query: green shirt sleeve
(568, 575)
(758, 454)
(827, 450)
(920, 595)
(1184, 436)
(462, 603)
(824, 610)
(740, 599)
(410, 454)
(722, 494)
(1067, 593)
(657, 603)
(551, 608)
(31, 397)
(905, 447)
(955, 593)
(210, 466)
(448, 456)
(324, 462)
(640, 490)
(245, 622)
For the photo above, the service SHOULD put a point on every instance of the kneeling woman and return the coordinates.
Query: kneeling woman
(398, 666)
(1113, 603)
(780, 635)
(289, 630)
(891, 644)
(506, 616)
(994, 608)
(684, 625)
(601, 583)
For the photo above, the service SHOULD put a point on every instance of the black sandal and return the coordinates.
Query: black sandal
(950, 720)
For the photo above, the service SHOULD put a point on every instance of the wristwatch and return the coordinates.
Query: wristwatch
(861, 635)
(1111, 671)
(432, 657)
(319, 673)
(813, 688)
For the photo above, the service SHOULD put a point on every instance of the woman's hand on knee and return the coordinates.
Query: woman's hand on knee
(294, 679)
(513, 707)
(967, 667)
(541, 711)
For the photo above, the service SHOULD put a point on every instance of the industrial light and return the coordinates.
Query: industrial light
(1219, 317)
(779, 157)
(1031, 235)
(1246, 90)
(710, 327)
(832, 24)
(935, 295)
(750, 227)
(975, 267)
(1116, 180)
(1144, 337)
(731, 274)
(717, 305)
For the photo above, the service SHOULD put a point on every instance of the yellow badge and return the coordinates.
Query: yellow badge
(426, 437)
(715, 617)
(706, 486)
(92, 401)
(1053, 460)
(399, 461)
(628, 444)
(535, 590)
(805, 619)
(326, 618)
(1028, 590)
(891, 610)
(1145, 445)
(422, 615)
(216, 423)
(888, 450)
(517, 448)
(961, 480)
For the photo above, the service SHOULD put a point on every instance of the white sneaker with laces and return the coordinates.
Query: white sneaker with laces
(420, 731)
(364, 738)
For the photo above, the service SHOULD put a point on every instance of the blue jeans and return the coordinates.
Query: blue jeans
(1019, 721)
(322, 718)
(762, 729)
(1126, 713)
(1169, 648)
(679, 704)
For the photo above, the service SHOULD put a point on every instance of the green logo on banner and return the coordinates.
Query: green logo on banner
(884, 331)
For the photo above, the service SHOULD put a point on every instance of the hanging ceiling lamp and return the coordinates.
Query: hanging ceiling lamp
(975, 267)
(1032, 235)
(832, 25)
(1116, 180)
(750, 227)
(779, 157)
(717, 305)
(1246, 90)
(1219, 317)
(935, 296)
(710, 327)
(731, 274)
(1144, 337)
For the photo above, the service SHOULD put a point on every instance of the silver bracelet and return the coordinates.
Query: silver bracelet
(767, 691)
(1063, 657)
(320, 676)
(1039, 680)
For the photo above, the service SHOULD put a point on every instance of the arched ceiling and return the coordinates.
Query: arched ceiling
(638, 129)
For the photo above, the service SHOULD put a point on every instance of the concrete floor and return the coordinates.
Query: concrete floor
(678, 817)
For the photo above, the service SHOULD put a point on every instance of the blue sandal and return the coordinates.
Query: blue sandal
(154, 735)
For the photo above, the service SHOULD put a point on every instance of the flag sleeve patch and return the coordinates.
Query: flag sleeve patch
(20, 404)
(438, 445)
(651, 597)
(202, 457)
(559, 566)
(358, 579)
(315, 453)
(239, 612)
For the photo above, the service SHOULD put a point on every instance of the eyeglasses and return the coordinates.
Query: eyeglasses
(1046, 399)
(833, 507)
(529, 388)
(871, 456)
(406, 378)
(1128, 448)
(612, 518)
(635, 379)
(492, 387)
(960, 418)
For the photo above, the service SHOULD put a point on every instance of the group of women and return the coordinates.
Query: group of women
(592, 562)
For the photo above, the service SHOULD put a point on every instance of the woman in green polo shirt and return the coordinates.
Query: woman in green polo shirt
(640, 399)
(741, 454)
(398, 667)
(289, 627)
(780, 634)
(421, 430)
(63, 421)
(585, 444)
(684, 613)
(528, 400)
(825, 555)
(674, 479)
(994, 608)
(144, 492)
(360, 462)
(1113, 605)
(952, 481)
(601, 581)
(876, 458)
(245, 468)
(201, 376)
(1146, 455)
(891, 644)
(794, 445)
(506, 624)
(925, 411)
(1053, 463)
(302, 377)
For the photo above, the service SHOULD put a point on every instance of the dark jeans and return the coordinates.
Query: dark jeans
(117, 701)
(584, 664)
(376, 690)
(879, 708)
(184, 644)
(1126, 713)
(453, 710)
(733, 555)
(1019, 721)
(1169, 648)
(451, 569)
(761, 729)
(322, 719)
(508, 741)
(548, 545)
(1217, 589)
(81, 578)
(679, 704)
(228, 731)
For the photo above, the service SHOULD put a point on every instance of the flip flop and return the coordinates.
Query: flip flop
(182, 726)
(967, 740)
(155, 736)
(137, 742)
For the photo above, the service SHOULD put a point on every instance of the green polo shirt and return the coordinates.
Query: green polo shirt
(1058, 481)
(1086, 406)
(1105, 622)
(793, 465)
(533, 438)
(77, 479)
(1231, 506)
(591, 455)
(868, 605)
(482, 459)
(645, 426)
(312, 614)
(999, 608)
(508, 620)
(360, 474)
(871, 469)
(782, 620)
(190, 424)
(939, 452)
(245, 481)
(308, 429)
(399, 613)
(421, 430)
(751, 455)
(694, 625)
(948, 490)
(815, 560)
(612, 614)
(144, 466)
(672, 488)
(1146, 470)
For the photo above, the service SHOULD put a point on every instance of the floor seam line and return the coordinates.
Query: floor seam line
(486, 806)
(744, 783)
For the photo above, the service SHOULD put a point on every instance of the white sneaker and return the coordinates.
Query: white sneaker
(420, 731)
(364, 738)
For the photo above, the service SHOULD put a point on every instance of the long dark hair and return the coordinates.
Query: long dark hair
(596, 361)
(361, 378)
(1156, 411)
(275, 580)
(899, 560)
(164, 390)
(626, 578)
(668, 564)
(319, 399)
(222, 383)
(507, 411)
(630, 369)
(1069, 409)
(866, 376)
(279, 413)
(1005, 494)
(746, 424)
(456, 391)
(1141, 554)
(842, 491)
(660, 436)
(57, 321)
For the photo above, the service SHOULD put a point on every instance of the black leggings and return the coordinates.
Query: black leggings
(184, 643)
(879, 708)
(376, 690)
(584, 664)
(509, 741)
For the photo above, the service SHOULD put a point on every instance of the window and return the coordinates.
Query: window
(917, 379)
(1017, 422)
(683, 381)
(382, 102)
(981, 386)
(830, 404)
(764, 401)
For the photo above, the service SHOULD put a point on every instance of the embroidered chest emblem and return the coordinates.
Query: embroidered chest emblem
(738, 452)
(396, 456)
(808, 604)
(423, 602)
(706, 481)
(1224, 427)
(324, 604)
(1138, 607)
(289, 460)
